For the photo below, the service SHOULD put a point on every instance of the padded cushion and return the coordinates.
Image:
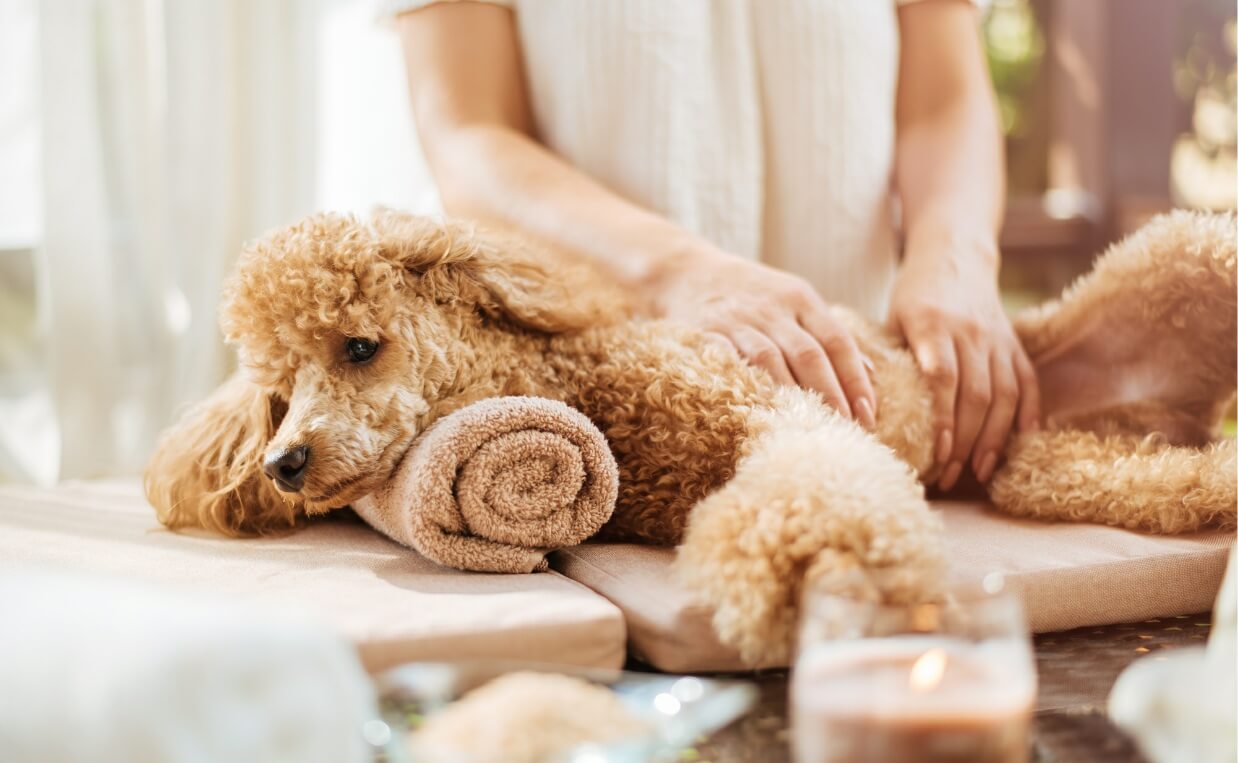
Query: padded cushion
(393, 604)
(1070, 575)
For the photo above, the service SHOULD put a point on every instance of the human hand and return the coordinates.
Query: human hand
(946, 304)
(775, 320)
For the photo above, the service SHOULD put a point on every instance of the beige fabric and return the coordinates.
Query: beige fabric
(495, 485)
(1070, 575)
(393, 604)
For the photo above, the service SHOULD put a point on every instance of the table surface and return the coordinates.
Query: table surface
(1076, 670)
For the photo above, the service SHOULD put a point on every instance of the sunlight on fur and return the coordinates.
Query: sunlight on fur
(763, 487)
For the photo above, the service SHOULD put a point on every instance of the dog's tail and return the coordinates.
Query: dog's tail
(813, 496)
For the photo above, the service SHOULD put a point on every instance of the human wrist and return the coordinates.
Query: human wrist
(672, 258)
(961, 246)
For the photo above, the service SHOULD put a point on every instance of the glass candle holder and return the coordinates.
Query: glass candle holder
(930, 683)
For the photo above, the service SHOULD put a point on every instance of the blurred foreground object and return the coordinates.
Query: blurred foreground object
(526, 717)
(105, 671)
(1181, 708)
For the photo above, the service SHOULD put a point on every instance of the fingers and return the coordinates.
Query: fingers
(1029, 392)
(999, 419)
(975, 392)
(847, 362)
(759, 350)
(934, 353)
(809, 364)
(719, 339)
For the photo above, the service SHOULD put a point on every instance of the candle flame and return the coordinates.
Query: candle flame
(928, 670)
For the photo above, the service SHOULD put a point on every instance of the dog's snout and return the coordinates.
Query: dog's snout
(287, 468)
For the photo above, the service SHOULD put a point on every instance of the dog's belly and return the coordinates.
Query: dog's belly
(1114, 373)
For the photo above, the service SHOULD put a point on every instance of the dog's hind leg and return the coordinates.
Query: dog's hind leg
(1136, 364)
(1149, 339)
(1141, 483)
(812, 495)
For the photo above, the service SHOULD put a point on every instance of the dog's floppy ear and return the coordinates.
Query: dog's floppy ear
(207, 468)
(505, 275)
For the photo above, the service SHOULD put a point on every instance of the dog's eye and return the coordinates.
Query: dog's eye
(360, 350)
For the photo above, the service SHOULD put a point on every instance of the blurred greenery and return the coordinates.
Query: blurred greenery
(1208, 48)
(1015, 47)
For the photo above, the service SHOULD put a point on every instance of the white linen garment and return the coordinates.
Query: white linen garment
(766, 126)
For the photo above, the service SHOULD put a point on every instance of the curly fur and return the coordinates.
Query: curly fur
(799, 496)
(1137, 365)
(1141, 483)
(206, 471)
(763, 487)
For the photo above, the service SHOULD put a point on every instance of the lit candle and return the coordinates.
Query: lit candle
(922, 698)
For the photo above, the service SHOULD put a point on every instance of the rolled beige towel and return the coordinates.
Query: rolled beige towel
(496, 485)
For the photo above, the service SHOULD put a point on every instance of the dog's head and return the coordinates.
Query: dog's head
(348, 333)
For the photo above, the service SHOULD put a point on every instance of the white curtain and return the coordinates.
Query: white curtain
(172, 131)
(141, 143)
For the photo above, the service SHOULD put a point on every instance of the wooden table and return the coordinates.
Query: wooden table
(1076, 668)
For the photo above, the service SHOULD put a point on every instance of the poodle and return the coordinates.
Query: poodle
(354, 336)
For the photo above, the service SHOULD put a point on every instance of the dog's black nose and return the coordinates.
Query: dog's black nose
(287, 468)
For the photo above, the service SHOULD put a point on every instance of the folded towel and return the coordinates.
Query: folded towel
(495, 486)
(108, 670)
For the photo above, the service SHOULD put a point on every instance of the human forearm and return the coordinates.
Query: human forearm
(477, 132)
(496, 174)
(951, 183)
(949, 154)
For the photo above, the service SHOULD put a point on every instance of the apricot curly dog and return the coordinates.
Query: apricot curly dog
(355, 336)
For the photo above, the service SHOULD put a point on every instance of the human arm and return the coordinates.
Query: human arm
(949, 175)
